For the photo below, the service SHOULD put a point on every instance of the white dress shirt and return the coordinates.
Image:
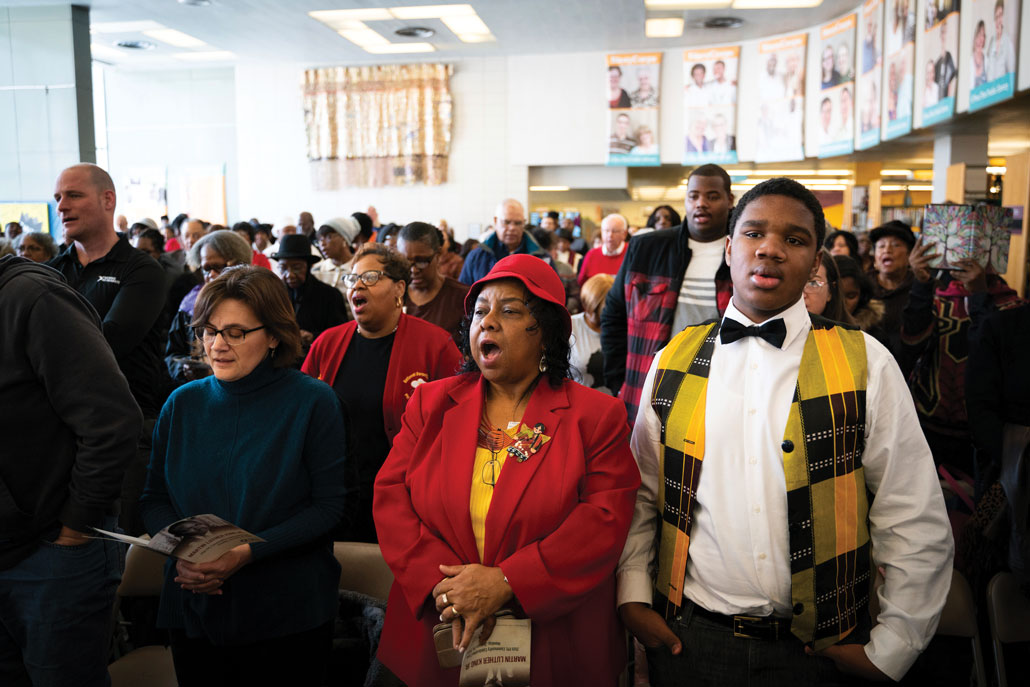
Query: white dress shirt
(738, 561)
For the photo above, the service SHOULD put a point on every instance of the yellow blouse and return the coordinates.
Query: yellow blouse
(485, 472)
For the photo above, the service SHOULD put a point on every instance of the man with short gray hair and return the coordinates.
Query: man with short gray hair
(607, 258)
(509, 237)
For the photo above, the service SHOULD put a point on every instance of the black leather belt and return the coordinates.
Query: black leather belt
(748, 626)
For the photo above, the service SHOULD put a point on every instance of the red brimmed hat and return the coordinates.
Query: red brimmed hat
(536, 275)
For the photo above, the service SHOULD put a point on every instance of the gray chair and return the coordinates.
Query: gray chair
(148, 665)
(1009, 610)
(958, 619)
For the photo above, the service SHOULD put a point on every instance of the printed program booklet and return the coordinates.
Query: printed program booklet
(196, 539)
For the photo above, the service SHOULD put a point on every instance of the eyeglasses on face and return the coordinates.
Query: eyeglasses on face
(292, 269)
(368, 277)
(814, 284)
(513, 222)
(422, 262)
(234, 336)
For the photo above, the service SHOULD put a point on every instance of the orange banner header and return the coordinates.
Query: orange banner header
(711, 54)
(840, 26)
(785, 43)
(635, 58)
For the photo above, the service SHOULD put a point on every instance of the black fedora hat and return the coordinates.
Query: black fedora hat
(295, 247)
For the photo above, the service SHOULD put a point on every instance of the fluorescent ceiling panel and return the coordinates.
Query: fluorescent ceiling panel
(774, 4)
(432, 11)
(548, 188)
(124, 26)
(106, 52)
(176, 38)
(399, 48)
(476, 38)
(364, 37)
(670, 27)
(206, 56)
(686, 4)
(338, 19)
(468, 24)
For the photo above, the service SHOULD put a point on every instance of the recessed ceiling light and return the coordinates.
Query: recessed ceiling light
(205, 56)
(549, 188)
(136, 45)
(335, 18)
(415, 32)
(466, 24)
(123, 26)
(723, 22)
(476, 37)
(431, 11)
(176, 38)
(400, 48)
(196, 3)
(669, 27)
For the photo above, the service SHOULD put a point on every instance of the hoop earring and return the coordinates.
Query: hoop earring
(400, 302)
(543, 363)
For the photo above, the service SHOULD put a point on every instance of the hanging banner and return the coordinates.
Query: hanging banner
(993, 46)
(633, 98)
(899, 51)
(940, 71)
(836, 123)
(781, 99)
(710, 105)
(870, 69)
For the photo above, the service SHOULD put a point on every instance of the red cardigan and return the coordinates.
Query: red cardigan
(556, 527)
(422, 352)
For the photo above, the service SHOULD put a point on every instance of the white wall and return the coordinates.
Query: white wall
(275, 183)
(184, 120)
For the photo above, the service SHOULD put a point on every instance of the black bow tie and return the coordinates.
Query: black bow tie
(775, 332)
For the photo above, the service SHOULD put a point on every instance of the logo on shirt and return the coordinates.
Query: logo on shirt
(415, 379)
(108, 279)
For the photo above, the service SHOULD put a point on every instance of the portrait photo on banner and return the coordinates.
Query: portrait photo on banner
(836, 121)
(633, 100)
(781, 99)
(710, 105)
(992, 44)
(899, 26)
(868, 78)
(938, 73)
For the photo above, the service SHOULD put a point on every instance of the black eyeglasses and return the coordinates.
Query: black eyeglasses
(233, 336)
(368, 278)
(422, 262)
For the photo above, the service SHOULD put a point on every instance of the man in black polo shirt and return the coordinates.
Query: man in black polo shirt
(126, 286)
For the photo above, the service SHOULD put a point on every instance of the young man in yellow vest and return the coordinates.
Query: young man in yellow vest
(814, 474)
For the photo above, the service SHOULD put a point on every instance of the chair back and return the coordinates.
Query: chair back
(958, 619)
(1008, 608)
(144, 573)
(363, 569)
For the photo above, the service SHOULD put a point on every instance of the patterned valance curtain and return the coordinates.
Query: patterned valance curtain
(378, 126)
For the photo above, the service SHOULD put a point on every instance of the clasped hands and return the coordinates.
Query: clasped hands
(207, 578)
(468, 596)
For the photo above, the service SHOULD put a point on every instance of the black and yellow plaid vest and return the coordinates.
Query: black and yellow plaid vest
(827, 502)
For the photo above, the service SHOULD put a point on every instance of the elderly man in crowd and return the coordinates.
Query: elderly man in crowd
(508, 238)
(607, 258)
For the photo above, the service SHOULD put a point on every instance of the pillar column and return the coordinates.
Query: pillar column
(951, 149)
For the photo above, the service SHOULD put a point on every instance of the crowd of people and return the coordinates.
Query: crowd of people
(350, 380)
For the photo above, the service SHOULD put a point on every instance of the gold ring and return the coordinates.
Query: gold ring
(457, 613)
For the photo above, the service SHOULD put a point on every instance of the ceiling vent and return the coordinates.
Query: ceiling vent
(136, 45)
(415, 32)
(723, 23)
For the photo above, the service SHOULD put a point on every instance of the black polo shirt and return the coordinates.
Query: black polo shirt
(127, 288)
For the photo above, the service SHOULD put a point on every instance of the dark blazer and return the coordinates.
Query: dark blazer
(319, 306)
(556, 527)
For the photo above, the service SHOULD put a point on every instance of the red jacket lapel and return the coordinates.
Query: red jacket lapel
(458, 452)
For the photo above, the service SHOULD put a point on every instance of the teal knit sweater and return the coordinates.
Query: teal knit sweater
(266, 453)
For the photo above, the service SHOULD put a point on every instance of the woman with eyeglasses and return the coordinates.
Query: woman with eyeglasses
(823, 292)
(262, 446)
(509, 487)
(208, 256)
(375, 363)
(431, 296)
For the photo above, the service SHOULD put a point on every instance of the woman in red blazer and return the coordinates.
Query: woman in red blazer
(509, 487)
(375, 363)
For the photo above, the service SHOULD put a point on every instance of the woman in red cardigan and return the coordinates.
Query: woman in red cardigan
(375, 363)
(508, 487)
